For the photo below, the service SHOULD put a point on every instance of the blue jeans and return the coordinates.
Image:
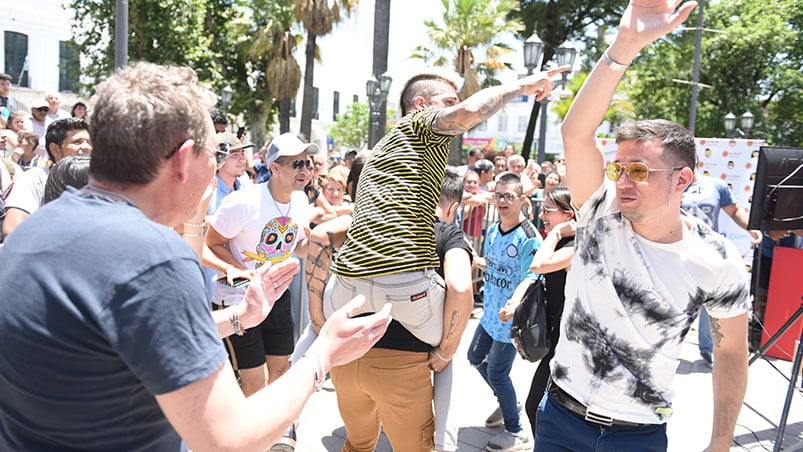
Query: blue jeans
(704, 340)
(494, 360)
(561, 430)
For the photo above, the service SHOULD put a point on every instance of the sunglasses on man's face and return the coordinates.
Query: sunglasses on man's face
(297, 164)
(43, 109)
(636, 171)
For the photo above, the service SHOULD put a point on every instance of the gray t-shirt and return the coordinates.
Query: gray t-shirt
(103, 309)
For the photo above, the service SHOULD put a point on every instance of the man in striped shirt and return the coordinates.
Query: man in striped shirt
(389, 253)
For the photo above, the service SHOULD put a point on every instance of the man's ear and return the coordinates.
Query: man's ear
(419, 103)
(181, 160)
(685, 178)
(451, 211)
(55, 151)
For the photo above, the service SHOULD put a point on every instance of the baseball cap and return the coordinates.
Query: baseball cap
(39, 103)
(288, 145)
(232, 141)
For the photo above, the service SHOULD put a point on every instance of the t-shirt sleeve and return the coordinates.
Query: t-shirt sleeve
(726, 197)
(230, 216)
(732, 294)
(162, 328)
(527, 252)
(454, 238)
(28, 191)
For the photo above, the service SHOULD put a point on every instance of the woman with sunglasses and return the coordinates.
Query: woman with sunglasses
(551, 260)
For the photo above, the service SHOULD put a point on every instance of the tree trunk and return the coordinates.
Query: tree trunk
(284, 115)
(306, 106)
(256, 125)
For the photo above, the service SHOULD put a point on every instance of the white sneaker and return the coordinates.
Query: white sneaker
(496, 419)
(510, 442)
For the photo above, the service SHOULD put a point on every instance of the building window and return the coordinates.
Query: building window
(502, 123)
(16, 57)
(68, 67)
(335, 105)
(523, 120)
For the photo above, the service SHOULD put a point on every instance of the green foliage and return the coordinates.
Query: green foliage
(163, 31)
(351, 127)
(755, 65)
(470, 25)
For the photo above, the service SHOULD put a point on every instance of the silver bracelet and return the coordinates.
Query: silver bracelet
(318, 371)
(200, 225)
(613, 64)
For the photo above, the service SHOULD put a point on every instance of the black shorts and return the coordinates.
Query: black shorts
(274, 336)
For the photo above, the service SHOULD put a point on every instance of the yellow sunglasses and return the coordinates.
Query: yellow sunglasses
(636, 171)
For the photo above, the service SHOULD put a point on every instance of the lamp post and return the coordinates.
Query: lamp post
(745, 121)
(377, 93)
(564, 55)
(226, 96)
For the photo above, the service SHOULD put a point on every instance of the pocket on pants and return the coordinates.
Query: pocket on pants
(338, 292)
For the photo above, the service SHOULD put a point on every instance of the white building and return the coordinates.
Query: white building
(35, 47)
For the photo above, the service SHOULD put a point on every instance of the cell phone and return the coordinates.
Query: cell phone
(238, 282)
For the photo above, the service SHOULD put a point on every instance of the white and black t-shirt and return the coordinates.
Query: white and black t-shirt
(630, 303)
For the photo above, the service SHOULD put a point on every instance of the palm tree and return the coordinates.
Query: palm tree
(468, 25)
(283, 74)
(317, 17)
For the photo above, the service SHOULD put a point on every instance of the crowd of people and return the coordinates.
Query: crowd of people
(171, 314)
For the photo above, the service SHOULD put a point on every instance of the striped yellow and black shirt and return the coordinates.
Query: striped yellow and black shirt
(393, 220)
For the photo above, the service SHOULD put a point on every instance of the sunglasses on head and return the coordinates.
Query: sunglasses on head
(636, 171)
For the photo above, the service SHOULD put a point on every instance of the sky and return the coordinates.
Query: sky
(348, 51)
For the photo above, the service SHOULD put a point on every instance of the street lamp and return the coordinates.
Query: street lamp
(226, 96)
(745, 121)
(377, 93)
(533, 52)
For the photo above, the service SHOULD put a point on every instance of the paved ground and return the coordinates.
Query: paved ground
(321, 428)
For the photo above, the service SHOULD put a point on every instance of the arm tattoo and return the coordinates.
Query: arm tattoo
(716, 331)
(318, 265)
(452, 121)
(452, 320)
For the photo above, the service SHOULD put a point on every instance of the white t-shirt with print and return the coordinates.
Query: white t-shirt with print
(630, 303)
(255, 224)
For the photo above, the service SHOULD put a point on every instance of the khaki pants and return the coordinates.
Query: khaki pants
(389, 388)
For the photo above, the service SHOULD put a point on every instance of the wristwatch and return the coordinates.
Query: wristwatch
(236, 324)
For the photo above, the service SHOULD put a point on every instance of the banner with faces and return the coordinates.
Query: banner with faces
(734, 162)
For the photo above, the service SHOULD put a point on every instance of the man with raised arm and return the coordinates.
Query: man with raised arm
(389, 253)
(640, 273)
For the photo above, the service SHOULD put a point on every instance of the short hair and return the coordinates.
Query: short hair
(337, 177)
(483, 166)
(425, 85)
(512, 180)
(6, 77)
(71, 171)
(142, 114)
(354, 174)
(500, 157)
(452, 188)
(675, 138)
(474, 151)
(516, 158)
(57, 132)
(28, 136)
(218, 117)
(562, 199)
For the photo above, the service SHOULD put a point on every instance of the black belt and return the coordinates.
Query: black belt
(562, 398)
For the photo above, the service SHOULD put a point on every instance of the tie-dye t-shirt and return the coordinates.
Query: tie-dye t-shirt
(630, 303)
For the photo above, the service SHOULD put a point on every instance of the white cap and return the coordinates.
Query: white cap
(288, 145)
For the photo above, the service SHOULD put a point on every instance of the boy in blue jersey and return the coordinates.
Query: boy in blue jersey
(509, 249)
